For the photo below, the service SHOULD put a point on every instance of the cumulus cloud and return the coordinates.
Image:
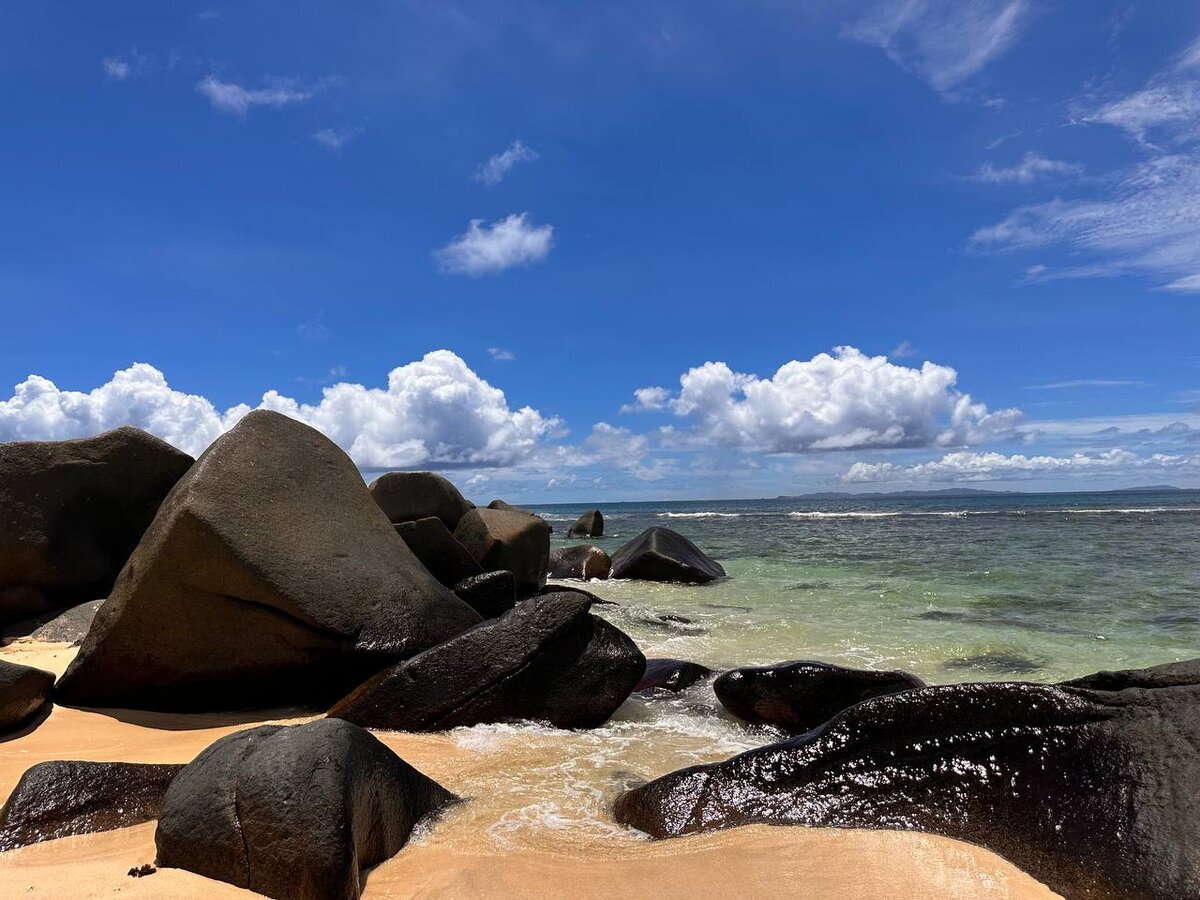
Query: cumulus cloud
(434, 412)
(945, 42)
(508, 242)
(967, 465)
(1032, 167)
(228, 97)
(648, 399)
(493, 171)
(843, 401)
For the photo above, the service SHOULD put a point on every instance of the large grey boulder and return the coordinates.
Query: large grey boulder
(269, 577)
(660, 554)
(1089, 786)
(71, 512)
(408, 496)
(505, 539)
(295, 813)
(547, 660)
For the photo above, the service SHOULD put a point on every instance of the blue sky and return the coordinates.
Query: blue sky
(610, 250)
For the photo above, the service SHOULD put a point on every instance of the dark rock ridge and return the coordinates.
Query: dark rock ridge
(491, 594)
(571, 589)
(660, 554)
(71, 512)
(581, 562)
(508, 507)
(504, 539)
(296, 813)
(432, 543)
(1089, 786)
(590, 524)
(673, 675)
(61, 798)
(269, 577)
(67, 627)
(797, 696)
(408, 496)
(547, 660)
(24, 692)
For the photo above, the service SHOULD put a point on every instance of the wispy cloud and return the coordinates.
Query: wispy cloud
(229, 97)
(333, 139)
(508, 242)
(967, 466)
(1087, 383)
(1032, 167)
(903, 350)
(493, 171)
(945, 42)
(125, 66)
(500, 354)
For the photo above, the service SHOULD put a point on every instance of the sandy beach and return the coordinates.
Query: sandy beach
(470, 852)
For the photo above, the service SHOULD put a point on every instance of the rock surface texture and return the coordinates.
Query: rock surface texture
(408, 496)
(508, 539)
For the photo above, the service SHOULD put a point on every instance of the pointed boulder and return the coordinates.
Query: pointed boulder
(660, 554)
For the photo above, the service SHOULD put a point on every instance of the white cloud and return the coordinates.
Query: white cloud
(508, 242)
(842, 401)
(903, 350)
(648, 399)
(500, 354)
(237, 100)
(1189, 284)
(493, 171)
(115, 68)
(971, 466)
(1028, 170)
(945, 42)
(333, 139)
(434, 412)
(1087, 383)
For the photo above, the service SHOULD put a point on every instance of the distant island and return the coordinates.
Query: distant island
(961, 492)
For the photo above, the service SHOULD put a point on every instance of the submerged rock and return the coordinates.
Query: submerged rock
(590, 524)
(269, 577)
(797, 696)
(491, 594)
(670, 675)
(660, 554)
(582, 562)
(431, 542)
(57, 799)
(547, 660)
(1089, 786)
(71, 512)
(24, 692)
(296, 813)
(996, 662)
(504, 539)
(408, 496)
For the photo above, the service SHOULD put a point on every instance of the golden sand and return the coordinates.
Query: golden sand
(511, 840)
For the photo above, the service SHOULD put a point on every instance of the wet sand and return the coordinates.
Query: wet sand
(514, 839)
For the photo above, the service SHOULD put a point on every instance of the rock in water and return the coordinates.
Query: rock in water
(547, 660)
(61, 798)
(590, 524)
(491, 594)
(445, 558)
(24, 692)
(1089, 786)
(71, 512)
(296, 813)
(797, 696)
(269, 577)
(504, 539)
(408, 496)
(582, 562)
(660, 554)
(670, 675)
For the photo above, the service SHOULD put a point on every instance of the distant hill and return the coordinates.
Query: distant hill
(957, 492)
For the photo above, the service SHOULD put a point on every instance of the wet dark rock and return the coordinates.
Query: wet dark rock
(141, 871)
(61, 798)
(582, 562)
(269, 577)
(24, 692)
(71, 512)
(673, 675)
(998, 621)
(571, 589)
(1089, 786)
(504, 539)
(491, 594)
(797, 696)
(297, 813)
(996, 662)
(408, 496)
(547, 660)
(590, 524)
(432, 543)
(660, 554)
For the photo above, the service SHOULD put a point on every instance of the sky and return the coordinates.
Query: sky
(631, 250)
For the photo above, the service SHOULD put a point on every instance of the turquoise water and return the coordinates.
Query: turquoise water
(1039, 587)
